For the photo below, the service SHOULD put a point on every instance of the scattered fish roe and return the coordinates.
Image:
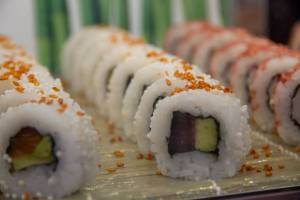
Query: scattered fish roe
(254, 154)
(268, 173)
(196, 82)
(120, 164)
(168, 82)
(113, 140)
(79, 113)
(164, 60)
(55, 89)
(281, 166)
(32, 79)
(152, 54)
(266, 150)
(119, 153)
(149, 156)
(111, 128)
(140, 156)
(111, 170)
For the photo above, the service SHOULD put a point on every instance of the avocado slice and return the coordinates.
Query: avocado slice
(207, 134)
(42, 154)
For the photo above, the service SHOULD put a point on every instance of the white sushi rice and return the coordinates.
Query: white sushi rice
(142, 119)
(285, 106)
(75, 149)
(233, 147)
(260, 88)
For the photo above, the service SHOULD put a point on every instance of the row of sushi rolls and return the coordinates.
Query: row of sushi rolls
(193, 118)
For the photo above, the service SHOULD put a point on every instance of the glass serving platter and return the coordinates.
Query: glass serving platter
(140, 179)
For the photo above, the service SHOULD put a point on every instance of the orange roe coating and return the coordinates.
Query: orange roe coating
(164, 60)
(152, 54)
(119, 153)
(53, 96)
(265, 147)
(268, 167)
(55, 89)
(149, 156)
(111, 128)
(31, 79)
(268, 173)
(158, 173)
(196, 82)
(254, 154)
(15, 69)
(281, 166)
(187, 67)
(120, 164)
(140, 156)
(120, 139)
(60, 101)
(113, 140)
(19, 89)
(111, 170)
(80, 114)
(168, 82)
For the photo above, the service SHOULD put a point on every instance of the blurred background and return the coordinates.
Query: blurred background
(42, 26)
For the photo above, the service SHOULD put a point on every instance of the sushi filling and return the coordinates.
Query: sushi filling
(190, 133)
(29, 148)
(295, 105)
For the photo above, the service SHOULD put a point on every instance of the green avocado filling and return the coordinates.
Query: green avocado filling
(193, 133)
(28, 148)
(206, 137)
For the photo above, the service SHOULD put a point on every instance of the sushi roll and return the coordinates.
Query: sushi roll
(203, 52)
(40, 152)
(243, 68)
(122, 77)
(45, 136)
(223, 58)
(157, 91)
(200, 132)
(262, 86)
(142, 79)
(285, 100)
(189, 40)
(176, 33)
